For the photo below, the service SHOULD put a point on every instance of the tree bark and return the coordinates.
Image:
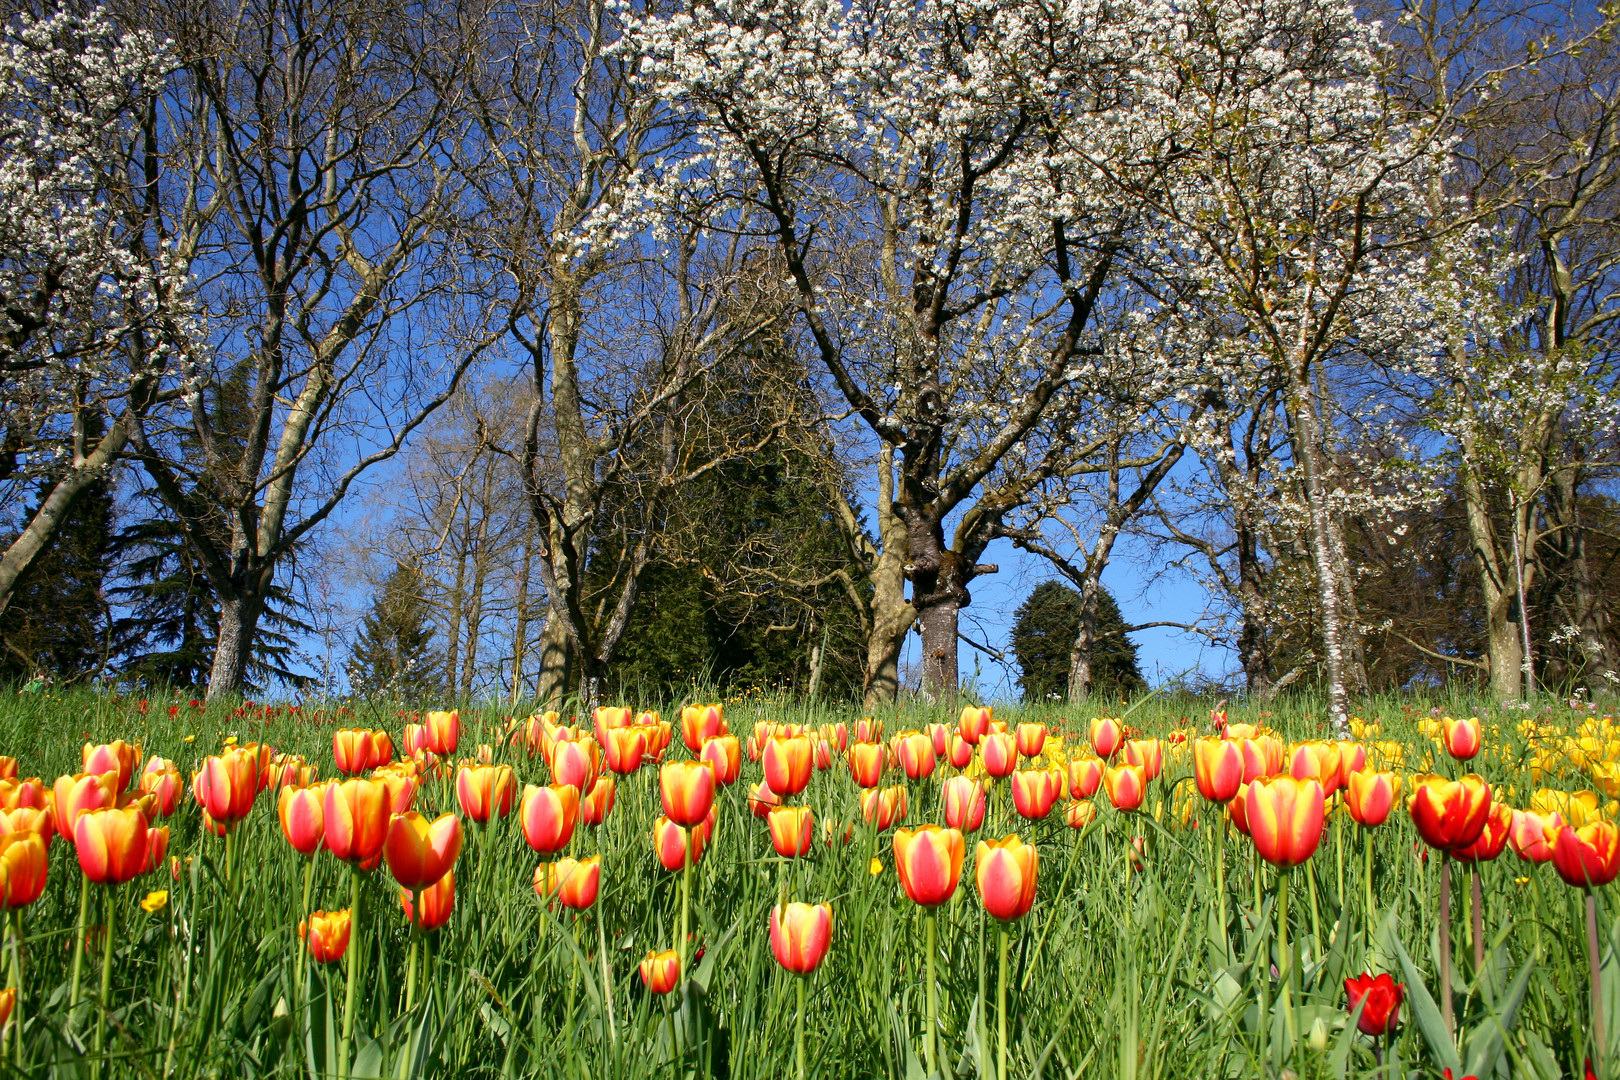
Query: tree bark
(892, 614)
(1307, 444)
(556, 663)
(238, 622)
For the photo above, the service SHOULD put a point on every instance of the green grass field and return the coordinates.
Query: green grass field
(1115, 972)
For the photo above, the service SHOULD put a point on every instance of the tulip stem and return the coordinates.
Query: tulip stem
(410, 963)
(1476, 901)
(111, 909)
(79, 943)
(1001, 1006)
(798, 1027)
(1316, 918)
(1217, 844)
(303, 920)
(1600, 1045)
(1445, 942)
(1367, 878)
(351, 961)
(932, 1036)
(607, 976)
(686, 898)
(16, 981)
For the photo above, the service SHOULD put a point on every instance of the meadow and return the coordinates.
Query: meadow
(1141, 944)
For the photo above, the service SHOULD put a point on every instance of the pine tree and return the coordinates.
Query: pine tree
(393, 654)
(56, 623)
(1044, 632)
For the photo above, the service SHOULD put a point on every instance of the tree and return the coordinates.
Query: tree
(392, 654)
(58, 625)
(1045, 627)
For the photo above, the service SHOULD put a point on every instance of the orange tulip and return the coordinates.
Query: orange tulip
(761, 798)
(687, 791)
(866, 763)
(792, 830)
(443, 731)
(623, 748)
(262, 754)
(578, 763)
(1285, 818)
(1450, 814)
(1492, 840)
(723, 755)
(1369, 796)
(1079, 813)
(959, 753)
(548, 815)
(659, 734)
(882, 807)
(327, 933)
(915, 753)
(401, 786)
(226, 786)
(1085, 777)
(1126, 785)
(661, 971)
(1148, 753)
(1031, 738)
(1005, 873)
(1352, 759)
(8, 767)
(1217, 767)
(550, 734)
(1316, 760)
(975, 722)
(838, 735)
(438, 903)
(611, 717)
(700, 723)
(111, 845)
(1106, 735)
(157, 848)
(485, 791)
(24, 859)
(675, 844)
(801, 934)
(1588, 856)
(161, 779)
(30, 792)
(79, 794)
(940, 736)
(419, 851)
(572, 883)
(998, 751)
(415, 739)
(290, 770)
(356, 816)
(1528, 834)
(964, 803)
(382, 749)
(1462, 737)
(29, 819)
(928, 860)
(117, 756)
(788, 761)
(597, 803)
(1036, 790)
(1238, 811)
(352, 750)
(302, 811)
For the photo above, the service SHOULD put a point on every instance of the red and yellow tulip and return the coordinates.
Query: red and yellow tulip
(548, 815)
(1285, 817)
(687, 790)
(1005, 872)
(327, 933)
(928, 861)
(801, 935)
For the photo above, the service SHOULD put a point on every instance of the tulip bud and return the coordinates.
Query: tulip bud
(1079, 814)
(596, 804)
(1005, 875)
(572, 883)
(661, 971)
(327, 934)
(866, 763)
(24, 860)
(548, 815)
(419, 851)
(687, 789)
(787, 764)
(443, 731)
(1085, 777)
(964, 803)
(438, 903)
(928, 860)
(801, 935)
(356, 816)
(960, 752)
(723, 755)
(111, 845)
(485, 791)
(792, 830)
(939, 735)
(699, 723)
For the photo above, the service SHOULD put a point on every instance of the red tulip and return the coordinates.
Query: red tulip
(974, 724)
(157, 848)
(1492, 840)
(963, 800)
(1382, 996)
(419, 851)
(882, 807)
(29, 819)
(1126, 785)
(117, 756)
(866, 763)
(1031, 739)
(1587, 856)
(687, 789)
(699, 723)
(1148, 753)
(1450, 814)
(761, 798)
(1106, 735)
(24, 860)
(572, 883)
(623, 748)
(1005, 873)
(357, 814)
(302, 811)
(30, 792)
(443, 731)
(485, 791)
(226, 786)
(999, 753)
(1528, 835)
(1079, 813)
(959, 753)
(352, 750)
(438, 903)
(596, 804)
(1462, 737)
(1352, 759)
(1285, 818)
(327, 934)
(611, 718)
(1085, 777)
(1217, 767)
(676, 844)
(111, 845)
(928, 860)
(548, 815)
(940, 736)
(578, 763)
(1036, 790)
(415, 738)
(723, 755)
(801, 935)
(1316, 760)
(792, 830)
(79, 794)
(661, 971)
(1369, 796)
(787, 764)
(915, 753)
(401, 785)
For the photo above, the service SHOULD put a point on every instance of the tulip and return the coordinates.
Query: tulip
(1005, 872)
(1035, 791)
(761, 798)
(79, 794)
(661, 971)
(356, 813)
(551, 733)
(578, 763)
(327, 934)
(659, 734)
(548, 815)
(801, 934)
(1352, 759)
(915, 753)
(415, 738)
(1079, 813)
(1255, 763)
(302, 812)
(1369, 796)
(1148, 753)
(1085, 777)
(609, 718)
(963, 800)
(792, 830)
(1316, 760)
(1462, 737)
(438, 903)
(419, 851)
(443, 731)
(29, 819)
(928, 860)
(8, 767)
(572, 883)
(882, 807)
(1285, 818)
(157, 848)
(687, 791)
(597, 803)
(787, 761)
(974, 724)
(700, 723)
(940, 736)
(1031, 738)
(484, 791)
(1450, 814)
(623, 748)
(1587, 856)
(401, 787)
(838, 734)
(1380, 1000)
(1491, 840)
(262, 754)
(998, 751)
(353, 751)
(673, 842)
(117, 756)
(1106, 735)
(24, 860)
(30, 792)
(866, 763)
(1528, 835)
(1217, 767)
(822, 756)
(959, 753)
(111, 845)
(1126, 785)
(290, 770)
(723, 755)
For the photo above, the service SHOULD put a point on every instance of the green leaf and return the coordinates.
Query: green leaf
(1485, 1043)
(1426, 1012)
(1339, 1060)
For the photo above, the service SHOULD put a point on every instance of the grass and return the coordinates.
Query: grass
(1116, 972)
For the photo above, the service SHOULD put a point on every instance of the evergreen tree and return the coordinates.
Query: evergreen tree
(57, 621)
(393, 653)
(1045, 627)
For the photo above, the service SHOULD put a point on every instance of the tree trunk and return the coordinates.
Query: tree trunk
(520, 628)
(1504, 649)
(238, 622)
(1252, 639)
(1307, 444)
(892, 614)
(556, 666)
(813, 687)
(938, 623)
(452, 637)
